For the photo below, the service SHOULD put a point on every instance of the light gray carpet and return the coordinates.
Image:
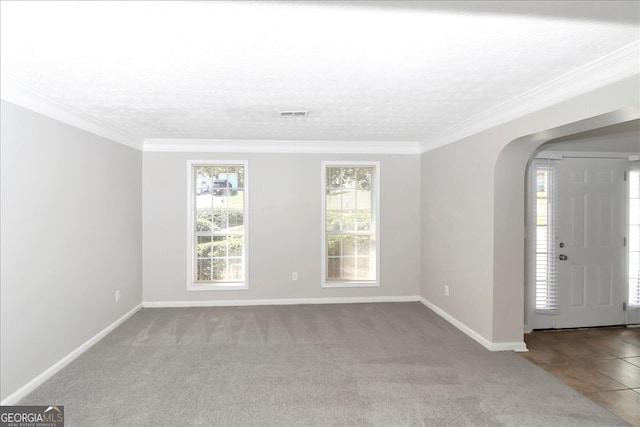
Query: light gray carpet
(387, 364)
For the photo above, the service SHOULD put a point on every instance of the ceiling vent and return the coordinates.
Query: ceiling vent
(294, 113)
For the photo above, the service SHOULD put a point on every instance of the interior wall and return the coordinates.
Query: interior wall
(472, 197)
(456, 249)
(284, 227)
(71, 236)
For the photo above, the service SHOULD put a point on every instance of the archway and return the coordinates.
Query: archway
(509, 220)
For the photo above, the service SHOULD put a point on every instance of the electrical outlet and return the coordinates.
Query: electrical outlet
(118, 295)
(446, 290)
(294, 275)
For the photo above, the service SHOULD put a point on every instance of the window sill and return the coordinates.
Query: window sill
(217, 287)
(352, 284)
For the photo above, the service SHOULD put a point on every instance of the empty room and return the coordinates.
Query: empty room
(300, 213)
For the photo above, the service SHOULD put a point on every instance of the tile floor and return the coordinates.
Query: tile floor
(601, 363)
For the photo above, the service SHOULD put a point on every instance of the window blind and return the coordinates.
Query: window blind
(546, 272)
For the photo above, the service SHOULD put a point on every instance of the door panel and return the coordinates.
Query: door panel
(576, 282)
(590, 235)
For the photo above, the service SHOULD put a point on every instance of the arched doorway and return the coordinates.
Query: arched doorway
(509, 272)
(576, 255)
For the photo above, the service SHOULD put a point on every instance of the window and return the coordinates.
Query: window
(217, 225)
(545, 271)
(634, 238)
(350, 223)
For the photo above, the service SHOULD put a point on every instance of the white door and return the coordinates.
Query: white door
(590, 242)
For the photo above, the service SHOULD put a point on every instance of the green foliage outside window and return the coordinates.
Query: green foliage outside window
(220, 219)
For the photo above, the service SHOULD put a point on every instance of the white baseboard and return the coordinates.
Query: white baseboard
(519, 346)
(15, 397)
(284, 301)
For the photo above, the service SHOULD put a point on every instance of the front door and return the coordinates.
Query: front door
(590, 242)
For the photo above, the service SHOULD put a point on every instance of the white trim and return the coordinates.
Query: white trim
(283, 301)
(519, 346)
(349, 283)
(376, 234)
(550, 155)
(23, 391)
(280, 146)
(231, 286)
(559, 155)
(14, 91)
(530, 245)
(629, 318)
(611, 68)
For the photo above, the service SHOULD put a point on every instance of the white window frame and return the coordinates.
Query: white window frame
(545, 295)
(632, 289)
(192, 285)
(375, 224)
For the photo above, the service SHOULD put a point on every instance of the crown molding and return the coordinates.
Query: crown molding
(279, 146)
(12, 90)
(611, 68)
(617, 65)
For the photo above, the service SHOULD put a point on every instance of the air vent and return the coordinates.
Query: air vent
(294, 113)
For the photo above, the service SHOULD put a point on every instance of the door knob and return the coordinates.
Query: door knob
(563, 257)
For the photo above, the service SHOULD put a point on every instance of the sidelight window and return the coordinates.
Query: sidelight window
(544, 188)
(634, 238)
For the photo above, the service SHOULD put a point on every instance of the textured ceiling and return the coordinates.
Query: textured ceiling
(365, 71)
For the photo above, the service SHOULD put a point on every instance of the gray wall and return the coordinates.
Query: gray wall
(285, 234)
(71, 236)
(472, 197)
(457, 186)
